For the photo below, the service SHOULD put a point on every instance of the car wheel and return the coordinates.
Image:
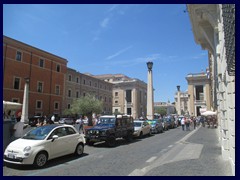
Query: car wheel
(79, 150)
(40, 159)
(129, 137)
(111, 141)
(90, 143)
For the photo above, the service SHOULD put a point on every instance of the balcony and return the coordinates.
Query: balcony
(200, 102)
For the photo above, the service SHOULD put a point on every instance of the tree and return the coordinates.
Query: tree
(86, 106)
(160, 110)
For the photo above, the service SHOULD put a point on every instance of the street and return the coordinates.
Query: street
(146, 156)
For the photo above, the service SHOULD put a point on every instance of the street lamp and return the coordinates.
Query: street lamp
(150, 92)
(178, 88)
(149, 65)
(178, 101)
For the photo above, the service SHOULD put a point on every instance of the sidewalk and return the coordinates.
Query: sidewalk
(197, 154)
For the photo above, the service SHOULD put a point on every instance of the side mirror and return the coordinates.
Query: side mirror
(54, 137)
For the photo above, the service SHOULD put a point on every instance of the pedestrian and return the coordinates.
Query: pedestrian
(194, 122)
(18, 129)
(53, 118)
(81, 126)
(183, 123)
(187, 124)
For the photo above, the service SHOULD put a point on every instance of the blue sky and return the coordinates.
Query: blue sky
(113, 39)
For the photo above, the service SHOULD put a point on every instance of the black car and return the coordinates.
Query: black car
(109, 128)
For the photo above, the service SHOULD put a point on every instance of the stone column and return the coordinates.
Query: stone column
(125, 101)
(189, 104)
(178, 99)
(150, 110)
(24, 116)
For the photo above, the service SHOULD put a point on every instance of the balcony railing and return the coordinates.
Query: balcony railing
(199, 102)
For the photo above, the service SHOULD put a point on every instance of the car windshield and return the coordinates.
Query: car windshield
(137, 124)
(106, 121)
(38, 133)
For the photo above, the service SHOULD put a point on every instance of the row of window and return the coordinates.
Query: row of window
(17, 83)
(84, 94)
(39, 104)
(85, 82)
(41, 61)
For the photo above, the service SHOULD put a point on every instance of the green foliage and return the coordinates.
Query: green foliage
(160, 110)
(85, 105)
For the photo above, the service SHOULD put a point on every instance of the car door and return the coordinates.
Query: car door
(146, 128)
(118, 128)
(59, 146)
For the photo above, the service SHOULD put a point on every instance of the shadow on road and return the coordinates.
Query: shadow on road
(54, 162)
(120, 142)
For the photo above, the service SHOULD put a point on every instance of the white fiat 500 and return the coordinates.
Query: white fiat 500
(44, 143)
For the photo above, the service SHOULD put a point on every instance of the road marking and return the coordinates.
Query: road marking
(181, 151)
(163, 150)
(151, 159)
(170, 146)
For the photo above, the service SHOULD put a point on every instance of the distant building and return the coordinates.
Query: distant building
(45, 70)
(79, 85)
(181, 102)
(129, 94)
(199, 96)
(170, 108)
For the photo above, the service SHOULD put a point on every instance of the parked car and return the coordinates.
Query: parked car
(156, 126)
(141, 128)
(165, 123)
(110, 127)
(66, 121)
(44, 143)
(170, 121)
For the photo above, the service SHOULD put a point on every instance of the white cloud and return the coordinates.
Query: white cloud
(112, 8)
(119, 52)
(104, 23)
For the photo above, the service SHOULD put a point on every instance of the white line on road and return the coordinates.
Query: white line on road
(151, 159)
(170, 146)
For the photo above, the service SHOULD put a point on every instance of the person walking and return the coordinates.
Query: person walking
(18, 129)
(81, 131)
(187, 122)
(53, 118)
(183, 123)
(194, 122)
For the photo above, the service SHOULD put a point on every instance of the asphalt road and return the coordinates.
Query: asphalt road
(160, 154)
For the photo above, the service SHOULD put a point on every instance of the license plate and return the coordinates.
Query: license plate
(12, 156)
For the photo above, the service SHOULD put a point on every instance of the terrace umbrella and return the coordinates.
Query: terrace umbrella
(209, 113)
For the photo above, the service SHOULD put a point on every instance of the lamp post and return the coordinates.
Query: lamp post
(24, 116)
(189, 104)
(179, 103)
(150, 92)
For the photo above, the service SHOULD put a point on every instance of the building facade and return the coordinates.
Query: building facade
(213, 28)
(198, 93)
(129, 95)
(45, 71)
(170, 108)
(78, 85)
